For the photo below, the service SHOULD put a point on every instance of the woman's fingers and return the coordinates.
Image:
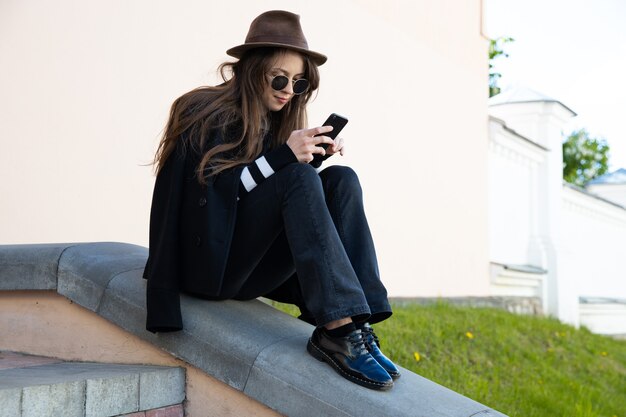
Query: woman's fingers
(319, 150)
(314, 131)
(338, 145)
(304, 143)
(323, 139)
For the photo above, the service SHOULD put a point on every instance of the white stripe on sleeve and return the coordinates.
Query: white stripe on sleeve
(264, 167)
(247, 179)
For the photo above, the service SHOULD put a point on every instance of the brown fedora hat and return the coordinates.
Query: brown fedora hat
(280, 29)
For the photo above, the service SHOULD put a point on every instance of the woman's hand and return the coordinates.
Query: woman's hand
(337, 146)
(303, 143)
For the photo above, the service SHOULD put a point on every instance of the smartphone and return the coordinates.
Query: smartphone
(337, 122)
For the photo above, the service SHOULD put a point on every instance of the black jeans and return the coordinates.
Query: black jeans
(302, 238)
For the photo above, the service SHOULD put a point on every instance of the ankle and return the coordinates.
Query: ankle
(341, 331)
(337, 323)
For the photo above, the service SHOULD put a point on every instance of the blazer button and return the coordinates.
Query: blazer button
(202, 202)
(198, 241)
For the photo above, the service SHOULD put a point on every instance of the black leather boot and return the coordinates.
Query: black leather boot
(373, 346)
(349, 356)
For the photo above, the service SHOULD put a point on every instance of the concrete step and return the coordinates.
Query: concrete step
(33, 386)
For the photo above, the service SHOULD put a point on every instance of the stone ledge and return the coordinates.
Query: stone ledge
(30, 267)
(247, 345)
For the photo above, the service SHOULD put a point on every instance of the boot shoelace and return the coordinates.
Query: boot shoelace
(368, 331)
(357, 340)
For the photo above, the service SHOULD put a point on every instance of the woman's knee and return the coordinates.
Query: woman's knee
(299, 172)
(340, 176)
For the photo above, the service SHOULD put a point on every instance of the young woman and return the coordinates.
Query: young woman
(239, 210)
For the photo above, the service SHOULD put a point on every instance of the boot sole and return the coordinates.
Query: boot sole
(321, 356)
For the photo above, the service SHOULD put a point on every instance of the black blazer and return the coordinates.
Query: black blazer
(191, 228)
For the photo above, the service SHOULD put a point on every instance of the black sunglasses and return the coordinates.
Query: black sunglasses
(299, 86)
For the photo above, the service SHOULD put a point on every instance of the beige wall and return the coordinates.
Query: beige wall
(86, 87)
(45, 323)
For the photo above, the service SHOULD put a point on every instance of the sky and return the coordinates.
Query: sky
(573, 51)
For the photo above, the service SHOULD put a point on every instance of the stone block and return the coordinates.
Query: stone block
(85, 270)
(161, 388)
(112, 396)
(124, 301)
(52, 400)
(30, 267)
(10, 401)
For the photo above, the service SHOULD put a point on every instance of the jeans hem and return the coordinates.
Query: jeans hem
(362, 312)
(380, 312)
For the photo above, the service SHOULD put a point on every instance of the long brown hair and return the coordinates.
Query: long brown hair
(236, 108)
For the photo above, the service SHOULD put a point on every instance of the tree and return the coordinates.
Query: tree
(584, 157)
(495, 50)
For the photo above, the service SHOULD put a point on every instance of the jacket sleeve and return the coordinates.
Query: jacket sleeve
(264, 167)
(163, 265)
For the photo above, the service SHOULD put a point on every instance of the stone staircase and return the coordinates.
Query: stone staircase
(36, 386)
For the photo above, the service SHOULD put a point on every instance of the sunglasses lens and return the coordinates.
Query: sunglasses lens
(300, 86)
(279, 82)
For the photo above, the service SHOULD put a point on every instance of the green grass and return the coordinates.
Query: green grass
(523, 366)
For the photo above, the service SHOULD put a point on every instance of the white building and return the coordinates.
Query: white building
(550, 239)
(610, 186)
